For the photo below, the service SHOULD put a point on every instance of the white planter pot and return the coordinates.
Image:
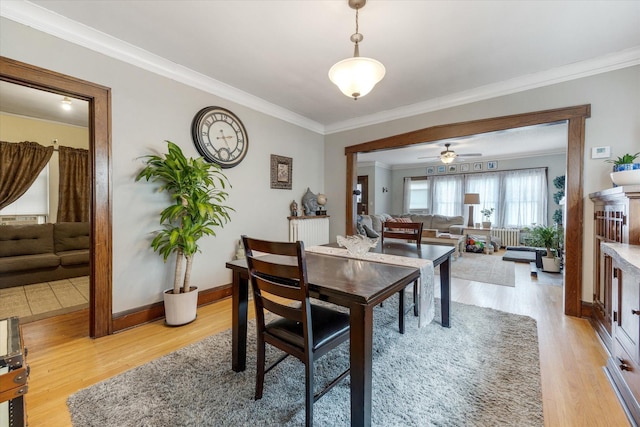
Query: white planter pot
(551, 265)
(180, 309)
(486, 224)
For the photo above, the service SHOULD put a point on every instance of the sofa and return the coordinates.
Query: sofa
(43, 252)
(440, 223)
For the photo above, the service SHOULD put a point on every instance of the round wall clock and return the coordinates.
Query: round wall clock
(219, 136)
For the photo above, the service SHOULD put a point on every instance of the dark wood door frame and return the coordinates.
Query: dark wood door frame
(99, 99)
(575, 116)
(364, 180)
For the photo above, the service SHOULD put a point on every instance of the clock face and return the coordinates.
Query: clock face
(220, 136)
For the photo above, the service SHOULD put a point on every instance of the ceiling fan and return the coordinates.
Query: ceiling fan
(448, 156)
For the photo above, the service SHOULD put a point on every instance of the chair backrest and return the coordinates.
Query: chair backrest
(411, 231)
(279, 272)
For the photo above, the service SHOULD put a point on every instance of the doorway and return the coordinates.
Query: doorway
(99, 99)
(362, 199)
(575, 117)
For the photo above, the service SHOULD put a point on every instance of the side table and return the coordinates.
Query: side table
(471, 231)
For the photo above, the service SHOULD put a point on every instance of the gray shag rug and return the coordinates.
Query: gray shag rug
(483, 371)
(484, 268)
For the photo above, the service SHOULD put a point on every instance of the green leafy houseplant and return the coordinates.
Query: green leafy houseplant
(543, 236)
(623, 160)
(197, 193)
(486, 213)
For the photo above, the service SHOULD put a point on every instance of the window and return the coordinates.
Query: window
(525, 198)
(447, 194)
(519, 197)
(35, 201)
(487, 185)
(419, 195)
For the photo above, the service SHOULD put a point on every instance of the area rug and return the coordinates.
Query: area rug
(484, 268)
(483, 371)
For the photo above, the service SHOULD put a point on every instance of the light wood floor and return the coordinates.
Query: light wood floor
(575, 390)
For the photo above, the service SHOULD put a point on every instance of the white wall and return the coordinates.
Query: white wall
(614, 122)
(146, 110)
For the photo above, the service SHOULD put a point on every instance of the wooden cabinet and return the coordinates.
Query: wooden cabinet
(616, 220)
(623, 367)
(13, 374)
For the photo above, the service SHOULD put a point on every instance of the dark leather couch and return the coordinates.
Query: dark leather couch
(43, 252)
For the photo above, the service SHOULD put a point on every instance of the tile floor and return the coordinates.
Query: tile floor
(42, 300)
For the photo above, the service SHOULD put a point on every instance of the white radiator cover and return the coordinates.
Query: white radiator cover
(311, 230)
(508, 236)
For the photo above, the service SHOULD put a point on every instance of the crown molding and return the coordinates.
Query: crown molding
(27, 13)
(49, 22)
(615, 61)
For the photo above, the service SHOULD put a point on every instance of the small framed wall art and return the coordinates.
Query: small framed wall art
(452, 168)
(464, 167)
(442, 169)
(492, 165)
(431, 170)
(477, 166)
(281, 172)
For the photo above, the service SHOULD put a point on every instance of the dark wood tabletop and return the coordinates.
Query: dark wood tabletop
(359, 285)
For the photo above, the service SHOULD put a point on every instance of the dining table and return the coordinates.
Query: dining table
(359, 285)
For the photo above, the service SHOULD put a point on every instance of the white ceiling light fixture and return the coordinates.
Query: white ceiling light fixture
(356, 77)
(66, 103)
(447, 156)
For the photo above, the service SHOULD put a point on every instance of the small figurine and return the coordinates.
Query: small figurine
(310, 203)
(240, 254)
(294, 208)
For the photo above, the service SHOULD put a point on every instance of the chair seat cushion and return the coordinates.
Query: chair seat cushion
(327, 324)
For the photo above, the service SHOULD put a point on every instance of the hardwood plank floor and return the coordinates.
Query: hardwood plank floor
(575, 390)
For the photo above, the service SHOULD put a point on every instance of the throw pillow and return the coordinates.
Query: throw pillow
(369, 232)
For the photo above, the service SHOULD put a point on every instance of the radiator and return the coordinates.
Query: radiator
(311, 230)
(508, 236)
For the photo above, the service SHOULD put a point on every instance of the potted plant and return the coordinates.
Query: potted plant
(196, 188)
(625, 162)
(486, 214)
(548, 237)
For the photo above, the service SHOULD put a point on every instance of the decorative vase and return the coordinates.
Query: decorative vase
(180, 309)
(627, 167)
(626, 177)
(551, 264)
(486, 224)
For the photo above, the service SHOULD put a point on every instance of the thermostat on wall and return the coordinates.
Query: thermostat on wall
(600, 152)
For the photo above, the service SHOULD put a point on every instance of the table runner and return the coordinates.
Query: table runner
(426, 309)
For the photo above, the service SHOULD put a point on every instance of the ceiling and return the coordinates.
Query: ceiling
(274, 56)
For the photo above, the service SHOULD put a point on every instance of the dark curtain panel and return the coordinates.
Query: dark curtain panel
(20, 165)
(73, 203)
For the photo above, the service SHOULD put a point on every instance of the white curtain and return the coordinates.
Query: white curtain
(406, 195)
(487, 185)
(524, 197)
(447, 194)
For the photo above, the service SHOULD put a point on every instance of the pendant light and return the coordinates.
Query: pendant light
(356, 77)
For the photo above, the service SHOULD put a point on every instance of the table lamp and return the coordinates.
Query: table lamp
(471, 199)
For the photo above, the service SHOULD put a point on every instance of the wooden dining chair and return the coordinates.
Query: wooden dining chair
(304, 330)
(412, 232)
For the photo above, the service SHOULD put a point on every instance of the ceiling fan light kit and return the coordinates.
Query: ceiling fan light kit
(448, 156)
(356, 76)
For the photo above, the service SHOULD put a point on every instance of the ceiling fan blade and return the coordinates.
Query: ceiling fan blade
(470, 155)
(430, 157)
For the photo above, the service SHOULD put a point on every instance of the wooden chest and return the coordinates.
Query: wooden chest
(13, 374)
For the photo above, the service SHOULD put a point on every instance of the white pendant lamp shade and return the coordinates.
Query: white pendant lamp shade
(356, 77)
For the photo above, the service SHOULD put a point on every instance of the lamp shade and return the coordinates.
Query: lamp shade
(356, 76)
(472, 199)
